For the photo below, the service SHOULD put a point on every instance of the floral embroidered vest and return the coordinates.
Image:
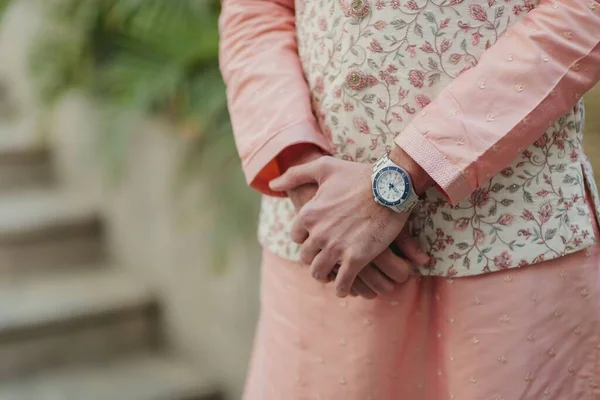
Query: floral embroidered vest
(372, 64)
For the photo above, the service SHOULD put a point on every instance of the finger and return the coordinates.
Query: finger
(323, 267)
(411, 248)
(299, 233)
(393, 266)
(361, 289)
(346, 275)
(297, 176)
(376, 280)
(308, 251)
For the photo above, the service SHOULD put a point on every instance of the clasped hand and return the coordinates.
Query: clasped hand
(344, 232)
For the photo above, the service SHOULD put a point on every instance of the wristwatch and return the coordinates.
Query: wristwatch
(392, 186)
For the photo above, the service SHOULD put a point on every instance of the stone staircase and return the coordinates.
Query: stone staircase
(72, 325)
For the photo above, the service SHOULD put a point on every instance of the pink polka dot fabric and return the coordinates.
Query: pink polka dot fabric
(531, 333)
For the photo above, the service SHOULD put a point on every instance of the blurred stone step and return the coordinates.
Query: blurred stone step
(73, 318)
(24, 164)
(139, 378)
(42, 229)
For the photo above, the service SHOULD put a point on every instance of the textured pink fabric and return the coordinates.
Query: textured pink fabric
(268, 97)
(526, 334)
(522, 84)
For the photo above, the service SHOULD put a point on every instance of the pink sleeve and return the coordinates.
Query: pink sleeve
(532, 76)
(268, 97)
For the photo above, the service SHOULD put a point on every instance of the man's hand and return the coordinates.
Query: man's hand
(342, 225)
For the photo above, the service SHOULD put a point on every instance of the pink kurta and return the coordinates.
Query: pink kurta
(531, 333)
(527, 334)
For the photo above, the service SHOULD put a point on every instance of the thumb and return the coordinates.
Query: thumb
(411, 248)
(296, 176)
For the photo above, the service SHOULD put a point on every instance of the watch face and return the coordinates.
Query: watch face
(391, 186)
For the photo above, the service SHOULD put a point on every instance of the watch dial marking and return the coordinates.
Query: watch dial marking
(391, 185)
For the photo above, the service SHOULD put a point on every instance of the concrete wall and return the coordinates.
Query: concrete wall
(154, 231)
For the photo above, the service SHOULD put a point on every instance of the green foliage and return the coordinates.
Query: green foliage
(3, 6)
(150, 57)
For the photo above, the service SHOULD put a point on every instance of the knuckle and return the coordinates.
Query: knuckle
(334, 247)
(306, 215)
(325, 164)
(354, 260)
(320, 238)
(305, 256)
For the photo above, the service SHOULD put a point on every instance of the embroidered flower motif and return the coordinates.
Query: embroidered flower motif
(531, 211)
(323, 24)
(507, 172)
(461, 224)
(446, 44)
(545, 212)
(422, 100)
(359, 8)
(527, 215)
(319, 85)
(361, 125)
(375, 46)
(388, 78)
(480, 197)
(503, 261)
(412, 5)
(416, 78)
(427, 47)
(402, 93)
(356, 79)
(506, 219)
(478, 236)
(478, 12)
(542, 141)
(379, 25)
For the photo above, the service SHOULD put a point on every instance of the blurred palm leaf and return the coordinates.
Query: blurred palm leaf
(151, 57)
(3, 5)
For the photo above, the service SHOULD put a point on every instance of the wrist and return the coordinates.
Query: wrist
(419, 178)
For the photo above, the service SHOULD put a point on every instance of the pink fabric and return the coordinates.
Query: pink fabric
(502, 105)
(269, 100)
(523, 83)
(527, 334)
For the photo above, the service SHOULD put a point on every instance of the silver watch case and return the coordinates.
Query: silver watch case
(408, 201)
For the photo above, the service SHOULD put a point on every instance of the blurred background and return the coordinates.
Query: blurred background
(128, 262)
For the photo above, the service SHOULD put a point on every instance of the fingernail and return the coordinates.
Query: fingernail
(424, 258)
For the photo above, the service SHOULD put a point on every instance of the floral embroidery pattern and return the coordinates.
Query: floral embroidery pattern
(538, 202)
(372, 65)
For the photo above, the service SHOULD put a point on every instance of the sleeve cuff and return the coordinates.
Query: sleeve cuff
(449, 179)
(261, 167)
